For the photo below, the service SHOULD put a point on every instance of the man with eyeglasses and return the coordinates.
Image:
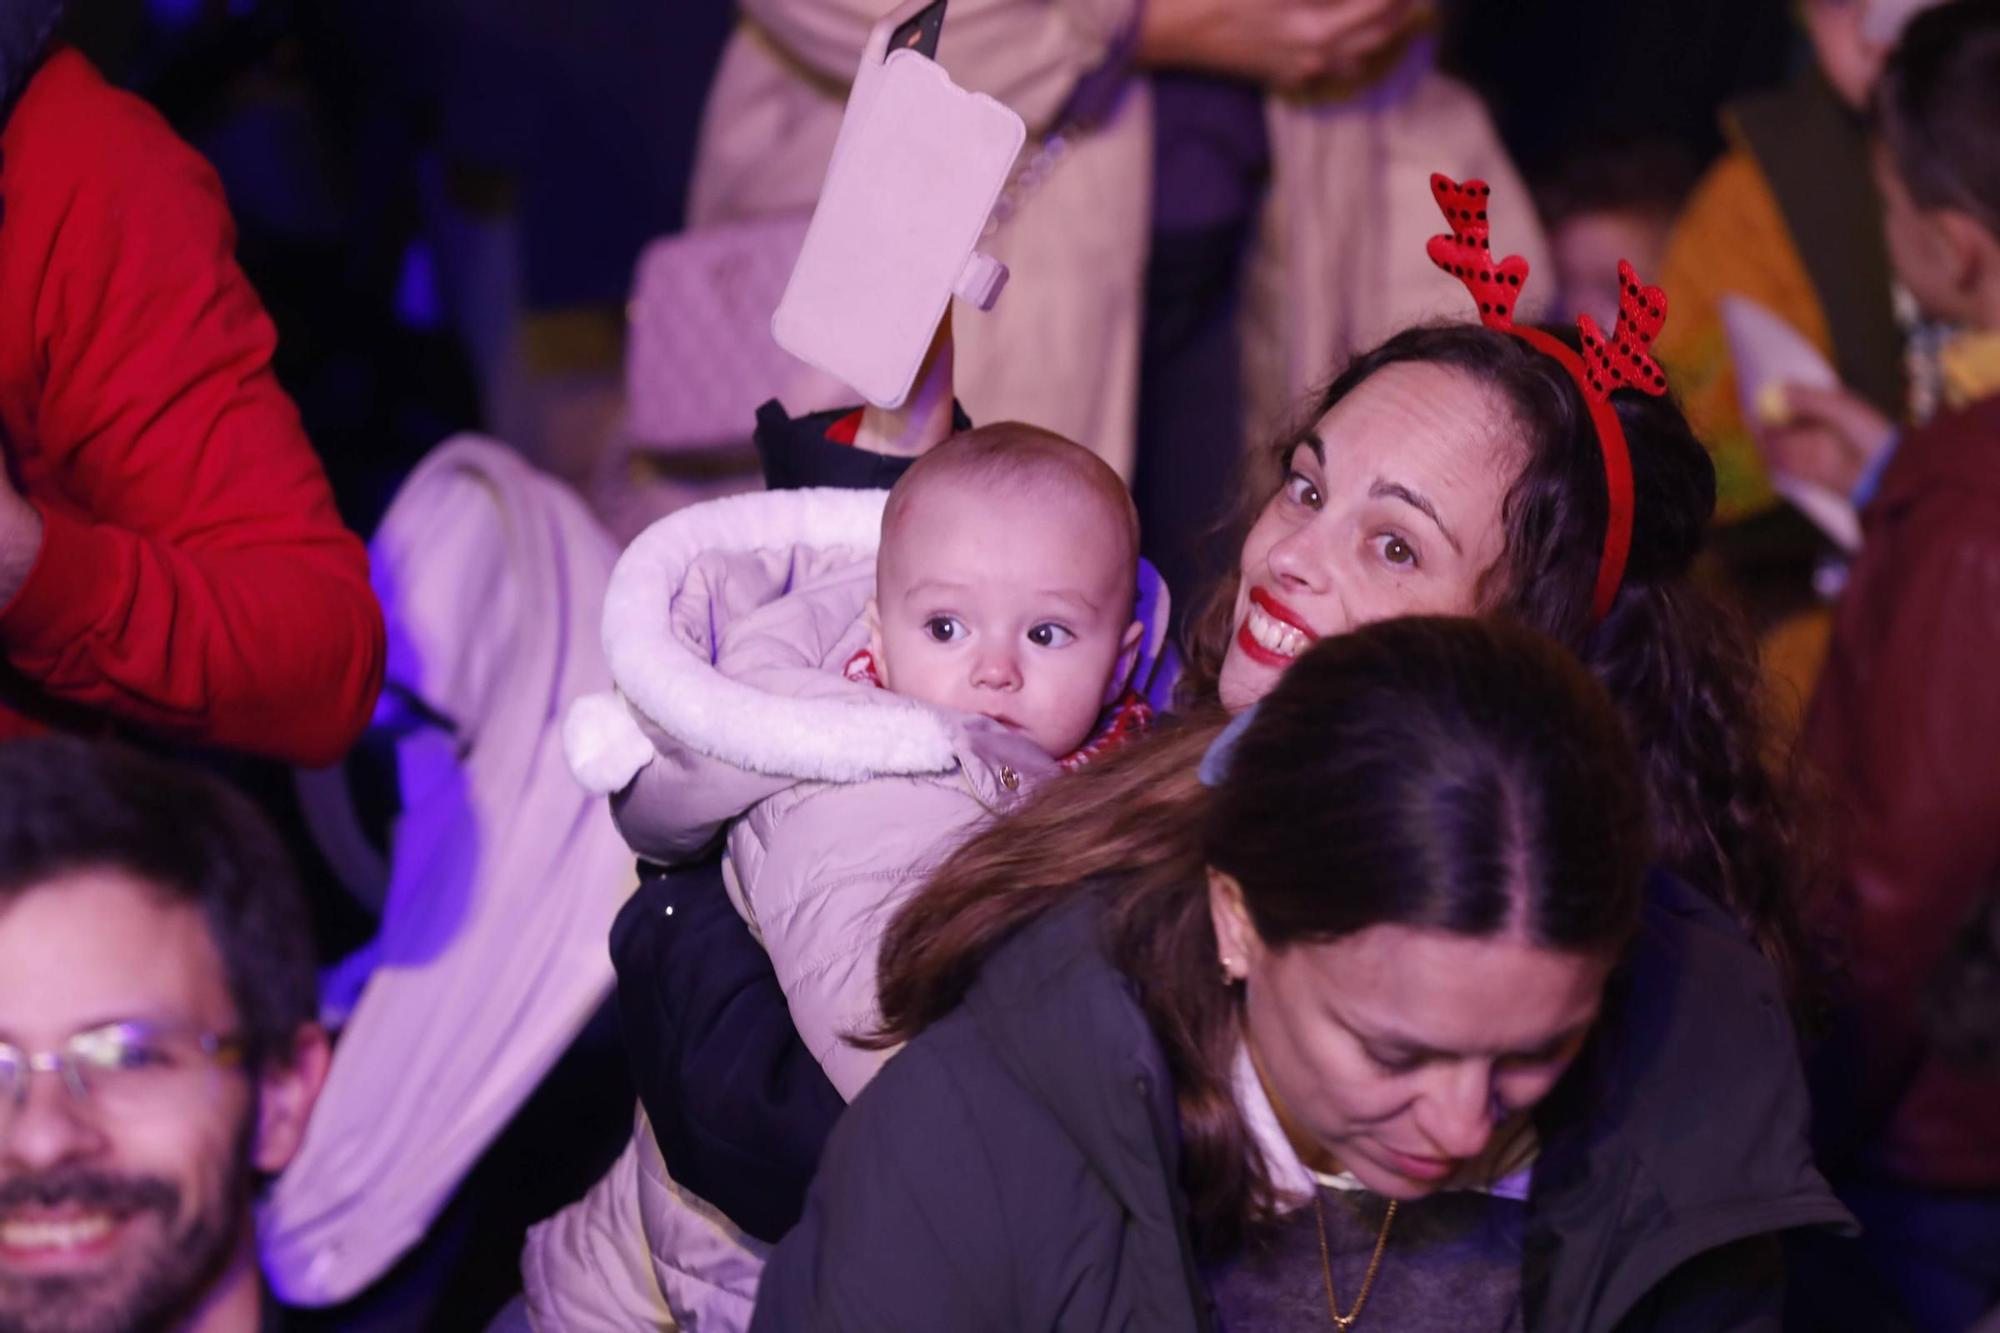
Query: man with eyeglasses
(158, 1050)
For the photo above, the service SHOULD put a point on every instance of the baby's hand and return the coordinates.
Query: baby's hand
(924, 419)
(1001, 764)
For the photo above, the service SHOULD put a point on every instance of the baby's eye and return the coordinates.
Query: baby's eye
(1396, 551)
(1050, 635)
(944, 629)
(1302, 490)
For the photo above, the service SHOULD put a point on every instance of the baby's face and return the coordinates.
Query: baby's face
(1016, 606)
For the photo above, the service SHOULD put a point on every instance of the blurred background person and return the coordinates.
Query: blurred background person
(1606, 201)
(170, 554)
(1905, 725)
(1212, 209)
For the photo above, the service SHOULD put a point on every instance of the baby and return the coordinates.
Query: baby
(849, 716)
(847, 686)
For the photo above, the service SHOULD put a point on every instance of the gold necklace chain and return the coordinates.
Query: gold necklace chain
(1346, 1321)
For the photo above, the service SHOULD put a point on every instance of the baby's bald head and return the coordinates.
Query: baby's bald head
(1019, 460)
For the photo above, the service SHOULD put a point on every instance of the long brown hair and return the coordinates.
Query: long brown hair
(1681, 666)
(1444, 773)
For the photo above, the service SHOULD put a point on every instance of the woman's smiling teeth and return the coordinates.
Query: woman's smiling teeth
(1274, 635)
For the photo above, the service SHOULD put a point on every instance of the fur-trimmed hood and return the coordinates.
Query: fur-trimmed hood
(726, 625)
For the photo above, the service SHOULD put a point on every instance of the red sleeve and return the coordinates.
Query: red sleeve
(194, 575)
(1911, 747)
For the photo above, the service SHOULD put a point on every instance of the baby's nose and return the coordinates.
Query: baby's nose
(997, 671)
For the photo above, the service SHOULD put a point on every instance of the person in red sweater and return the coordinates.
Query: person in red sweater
(170, 555)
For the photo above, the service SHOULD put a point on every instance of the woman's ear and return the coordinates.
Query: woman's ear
(286, 1092)
(1238, 946)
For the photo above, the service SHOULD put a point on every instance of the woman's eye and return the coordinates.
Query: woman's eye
(1048, 635)
(1398, 1064)
(1542, 1059)
(944, 629)
(1396, 551)
(1303, 491)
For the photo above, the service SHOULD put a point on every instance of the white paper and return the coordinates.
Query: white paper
(1768, 352)
(1830, 512)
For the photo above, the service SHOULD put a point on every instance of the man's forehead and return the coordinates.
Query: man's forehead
(93, 946)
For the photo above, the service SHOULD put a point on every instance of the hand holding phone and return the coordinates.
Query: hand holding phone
(925, 418)
(920, 33)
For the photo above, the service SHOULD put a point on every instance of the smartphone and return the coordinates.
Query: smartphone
(920, 34)
(899, 216)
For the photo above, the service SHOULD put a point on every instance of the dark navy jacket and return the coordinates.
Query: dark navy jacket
(1016, 1167)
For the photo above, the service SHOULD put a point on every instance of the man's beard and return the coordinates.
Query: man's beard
(155, 1285)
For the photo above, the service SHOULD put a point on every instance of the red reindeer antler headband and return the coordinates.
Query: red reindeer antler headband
(1622, 362)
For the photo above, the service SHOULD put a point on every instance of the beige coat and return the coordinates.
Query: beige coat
(1339, 263)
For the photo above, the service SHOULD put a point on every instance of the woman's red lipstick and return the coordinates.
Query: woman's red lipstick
(1278, 611)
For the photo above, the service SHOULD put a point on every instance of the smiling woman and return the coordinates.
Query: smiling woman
(1390, 505)
(1455, 469)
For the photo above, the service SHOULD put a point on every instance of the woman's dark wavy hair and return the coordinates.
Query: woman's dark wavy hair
(1682, 668)
(1444, 773)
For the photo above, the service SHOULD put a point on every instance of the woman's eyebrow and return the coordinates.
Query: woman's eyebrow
(1394, 490)
(1555, 1045)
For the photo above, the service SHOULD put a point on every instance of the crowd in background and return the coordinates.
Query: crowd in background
(347, 343)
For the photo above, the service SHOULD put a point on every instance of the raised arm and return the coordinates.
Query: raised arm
(1030, 54)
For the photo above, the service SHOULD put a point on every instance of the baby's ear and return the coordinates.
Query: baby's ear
(1128, 657)
(873, 615)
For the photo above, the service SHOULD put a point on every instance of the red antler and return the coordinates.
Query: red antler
(1626, 363)
(1467, 253)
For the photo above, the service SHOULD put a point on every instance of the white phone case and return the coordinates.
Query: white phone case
(919, 164)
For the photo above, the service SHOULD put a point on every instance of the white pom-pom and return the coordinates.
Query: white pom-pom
(603, 744)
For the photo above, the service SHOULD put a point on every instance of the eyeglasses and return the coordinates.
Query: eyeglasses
(121, 1068)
